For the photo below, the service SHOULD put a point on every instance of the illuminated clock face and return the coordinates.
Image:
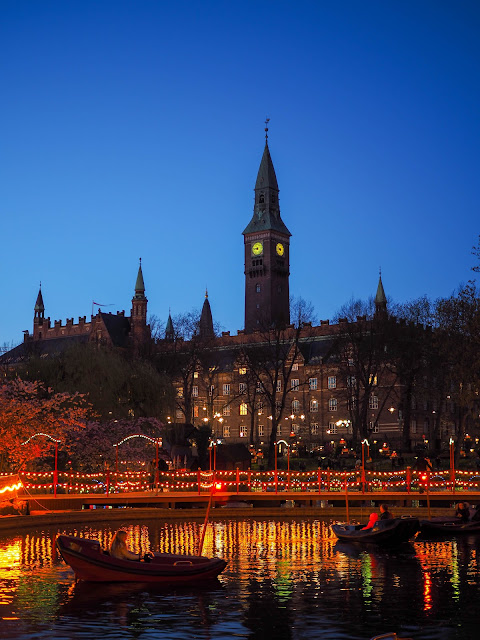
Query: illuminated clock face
(257, 249)
(280, 249)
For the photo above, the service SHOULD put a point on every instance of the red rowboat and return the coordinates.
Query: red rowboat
(91, 563)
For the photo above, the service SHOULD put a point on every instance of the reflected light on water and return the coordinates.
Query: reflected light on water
(281, 575)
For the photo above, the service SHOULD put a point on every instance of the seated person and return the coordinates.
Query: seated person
(385, 513)
(118, 548)
(372, 522)
(462, 512)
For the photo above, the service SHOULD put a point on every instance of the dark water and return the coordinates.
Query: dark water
(283, 580)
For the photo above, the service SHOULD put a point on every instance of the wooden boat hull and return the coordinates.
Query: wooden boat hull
(92, 564)
(385, 532)
(448, 527)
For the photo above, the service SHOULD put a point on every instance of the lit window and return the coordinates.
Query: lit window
(312, 384)
(243, 409)
(180, 392)
(226, 431)
(295, 384)
(195, 412)
(332, 404)
(242, 371)
(313, 406)
(195, 375)
(226, 389)
(332, 382)
(372, 380)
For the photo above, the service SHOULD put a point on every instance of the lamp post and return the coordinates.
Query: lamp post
(55, 473)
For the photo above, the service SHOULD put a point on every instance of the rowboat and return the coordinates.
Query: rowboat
(385, 532)
(448, 527)
(93, 564)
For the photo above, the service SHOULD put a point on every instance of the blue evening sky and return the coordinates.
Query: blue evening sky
(135, 129)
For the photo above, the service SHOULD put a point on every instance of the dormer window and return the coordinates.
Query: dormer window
(261, 199)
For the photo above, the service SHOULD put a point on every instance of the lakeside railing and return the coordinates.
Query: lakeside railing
(238, 481)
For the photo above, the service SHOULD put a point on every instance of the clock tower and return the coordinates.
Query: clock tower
(267, 250)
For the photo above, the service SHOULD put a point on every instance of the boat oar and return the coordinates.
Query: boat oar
(204, 530)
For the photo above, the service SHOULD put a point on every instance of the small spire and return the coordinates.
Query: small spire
(206, 293)
(380, 298)
(267, 120)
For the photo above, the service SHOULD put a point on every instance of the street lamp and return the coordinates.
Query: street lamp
(55, 473)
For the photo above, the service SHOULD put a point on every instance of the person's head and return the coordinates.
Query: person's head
(460, 506)
(121, 535)
(383, 508)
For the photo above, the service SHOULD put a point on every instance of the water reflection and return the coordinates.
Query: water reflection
(284, 579)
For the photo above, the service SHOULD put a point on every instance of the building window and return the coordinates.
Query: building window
(279, 430)
(260, 431)
(413, 426)
(332, 382)
(312, 384)
(260, 408)
(195, 392)
(314, 429)
(332, 404)
(180, 392)
(226, 389)
(226, 431)
(242, 387)
(279, 386)
(351, 381)
(373, 402)
(372, 380)
(243, 409)
(195, 412)
(226, 410)
(295, 384)
(313, 406)
(242, 371)
(258, 288)
(179, 414)
(295, 406)
(352, 403)
(243, 431)
(195, 375)
(211, 389)
(332, 428)
(373, 426)
(294, 428)
(295, 367)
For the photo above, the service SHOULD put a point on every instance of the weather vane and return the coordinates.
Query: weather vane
(266, 127)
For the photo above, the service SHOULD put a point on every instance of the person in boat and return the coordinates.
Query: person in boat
(462, 512)
(371, 522)
(385, 514)
(119, 549)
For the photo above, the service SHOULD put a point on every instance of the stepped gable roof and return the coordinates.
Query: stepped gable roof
(41, 348)
(118, 327)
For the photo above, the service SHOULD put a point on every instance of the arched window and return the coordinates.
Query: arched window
(261, 199)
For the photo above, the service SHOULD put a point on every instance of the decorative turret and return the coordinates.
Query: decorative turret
(380, 299)
(205, 328)
(169, 330)
(39, 316)
(138, 318)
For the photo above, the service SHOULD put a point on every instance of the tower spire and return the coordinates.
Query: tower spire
(380, 297)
